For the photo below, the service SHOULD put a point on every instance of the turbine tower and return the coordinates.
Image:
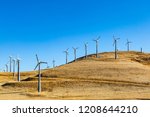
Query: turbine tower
(128, 45)
(39, 70)
(86, 50)
(96, 41)
(48, 66)
(14, 62)
(10, 57)
(115, 44)
(67, 53)
(18, 69)
(6, 67)
(141, 50)
(54, 63)
(75, 53)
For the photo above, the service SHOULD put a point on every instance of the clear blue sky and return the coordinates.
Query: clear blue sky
(48, 27)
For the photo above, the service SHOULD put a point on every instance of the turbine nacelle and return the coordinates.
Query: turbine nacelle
(66, 51)
(115, 40)
(96, 40)
(128, 42)
(75, 48)
(39, 62)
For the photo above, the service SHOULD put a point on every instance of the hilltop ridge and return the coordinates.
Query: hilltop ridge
(128, 77)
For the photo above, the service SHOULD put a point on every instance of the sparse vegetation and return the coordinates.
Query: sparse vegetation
(128, 77)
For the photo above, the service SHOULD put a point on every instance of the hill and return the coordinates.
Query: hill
(128, 77)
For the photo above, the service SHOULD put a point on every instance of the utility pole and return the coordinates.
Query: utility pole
(97, 40)
(39, 70)
(75, 53)
(128, 45)
(66, 52)
(115, 44)
(86, 50)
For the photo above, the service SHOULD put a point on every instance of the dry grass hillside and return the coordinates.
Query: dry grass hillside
(128, 77)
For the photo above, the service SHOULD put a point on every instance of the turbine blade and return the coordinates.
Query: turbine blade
(43, 63)
(114, 43)
(37, 58)
(86, 43)
(113, 37)
(98, 38)
(36, 66)
(10, 56)
(73, 48)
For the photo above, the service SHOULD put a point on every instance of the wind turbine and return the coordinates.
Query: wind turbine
(141, 50)
(86, 49)
(1, 70)
(115, 44)
(10, 57)
(128, 45)
(6, 67)
(39, 70)
(18, 69)
(75, 53)
(14, 62)
(48, 66)
(67, 53)
(97, 40)
(54, 63)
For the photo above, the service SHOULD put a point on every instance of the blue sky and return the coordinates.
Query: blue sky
(48, 27)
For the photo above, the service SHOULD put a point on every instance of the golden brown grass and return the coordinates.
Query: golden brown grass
(95, 78)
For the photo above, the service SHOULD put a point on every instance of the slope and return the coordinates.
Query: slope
(128, 77)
